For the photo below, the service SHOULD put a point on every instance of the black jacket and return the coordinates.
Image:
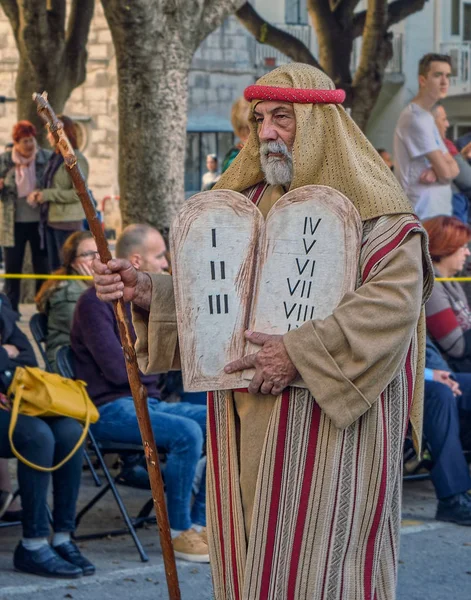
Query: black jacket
(10, 333)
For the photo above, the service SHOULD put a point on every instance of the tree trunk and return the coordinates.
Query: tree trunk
(152, 136)
(28, 82)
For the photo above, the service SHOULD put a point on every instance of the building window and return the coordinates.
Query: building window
(198, 145)
(296, 12)
(467, 22)
(455, 17)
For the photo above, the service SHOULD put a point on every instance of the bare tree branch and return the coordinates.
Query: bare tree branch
(397, 11)
(272, 36)
(214, 13)
(78, 27)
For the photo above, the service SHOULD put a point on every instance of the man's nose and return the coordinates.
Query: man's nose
(267, 132)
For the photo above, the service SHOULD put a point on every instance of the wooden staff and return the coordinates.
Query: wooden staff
(139, 392)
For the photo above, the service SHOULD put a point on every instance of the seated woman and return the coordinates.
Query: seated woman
(447, 311)
(57, 298)
(44, 441)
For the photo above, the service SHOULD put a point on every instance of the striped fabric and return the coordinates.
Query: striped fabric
(327, 509)
(448, 317)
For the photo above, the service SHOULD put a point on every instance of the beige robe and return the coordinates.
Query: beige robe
(349, 363)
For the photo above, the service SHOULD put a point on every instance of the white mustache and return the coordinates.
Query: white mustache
(275, 147)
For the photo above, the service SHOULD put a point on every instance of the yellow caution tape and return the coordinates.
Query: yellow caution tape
(35, 276)
(452, 278)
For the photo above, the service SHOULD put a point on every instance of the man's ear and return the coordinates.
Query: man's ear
(422, 80)
(136, 260)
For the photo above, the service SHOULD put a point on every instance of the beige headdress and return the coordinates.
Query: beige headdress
(329, 149)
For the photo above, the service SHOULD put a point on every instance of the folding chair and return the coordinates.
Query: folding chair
(38, 327)
(65, 365)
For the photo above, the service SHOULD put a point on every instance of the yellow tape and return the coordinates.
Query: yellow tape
(34, 276)
(452, 278)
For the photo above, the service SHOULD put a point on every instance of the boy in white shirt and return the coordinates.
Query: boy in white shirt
(424, 166)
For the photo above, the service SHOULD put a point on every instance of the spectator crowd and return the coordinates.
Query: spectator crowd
(39, 207)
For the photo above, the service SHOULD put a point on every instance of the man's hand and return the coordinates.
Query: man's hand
(11, 350)
(119, 279)
(444, 377)
(273, 367)
(428, 176)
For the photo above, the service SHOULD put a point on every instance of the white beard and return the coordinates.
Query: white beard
(278, 171)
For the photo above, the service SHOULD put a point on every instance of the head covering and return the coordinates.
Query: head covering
(329, 149)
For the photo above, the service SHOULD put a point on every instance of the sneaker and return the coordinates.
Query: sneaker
(5, 501)
(189, 545)
(44, 562)
(69, 552)
(455, 509)
(204, 534)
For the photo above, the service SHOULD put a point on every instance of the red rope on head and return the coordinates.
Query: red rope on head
(295, 95)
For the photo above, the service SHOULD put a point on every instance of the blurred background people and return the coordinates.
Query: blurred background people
(447, 310)
(61, 210)
(21, 171)
(212, 174)
(461, 185)
(423, 165)
(57, 299)
(240, 123)
(386, 157)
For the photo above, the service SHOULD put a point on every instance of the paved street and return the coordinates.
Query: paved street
(435, 559)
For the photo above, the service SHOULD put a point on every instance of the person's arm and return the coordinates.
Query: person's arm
(64, 192)
(444, 165)
(348, 359)
(25, 356)
(97, 322)
(463, 179)
(157, 347)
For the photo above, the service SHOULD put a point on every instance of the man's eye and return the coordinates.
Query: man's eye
(259, 120)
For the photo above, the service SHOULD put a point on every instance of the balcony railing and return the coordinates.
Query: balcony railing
(460, 82)
(267, 56)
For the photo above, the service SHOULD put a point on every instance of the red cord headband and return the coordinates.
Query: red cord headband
(295, 95)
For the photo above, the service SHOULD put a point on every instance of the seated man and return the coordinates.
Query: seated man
(446, 395)
(179, 428)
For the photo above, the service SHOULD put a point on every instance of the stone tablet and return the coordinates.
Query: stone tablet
(233, 271)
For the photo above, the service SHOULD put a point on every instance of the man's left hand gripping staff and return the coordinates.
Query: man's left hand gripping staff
(273, 367)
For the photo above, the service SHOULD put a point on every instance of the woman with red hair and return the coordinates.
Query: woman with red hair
(21, 171)
(447, 311)
(61, 209)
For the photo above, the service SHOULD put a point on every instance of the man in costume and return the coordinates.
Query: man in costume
(304, 484)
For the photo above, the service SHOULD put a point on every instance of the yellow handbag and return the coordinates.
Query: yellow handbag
(36, 393)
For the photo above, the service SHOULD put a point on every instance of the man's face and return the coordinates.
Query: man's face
(441, 121)
(437, 80)
(276, 128)
(151, 257)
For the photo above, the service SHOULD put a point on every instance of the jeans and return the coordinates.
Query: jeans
(45, 442)
(180, 429)
(450, 473)
(24, 233)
